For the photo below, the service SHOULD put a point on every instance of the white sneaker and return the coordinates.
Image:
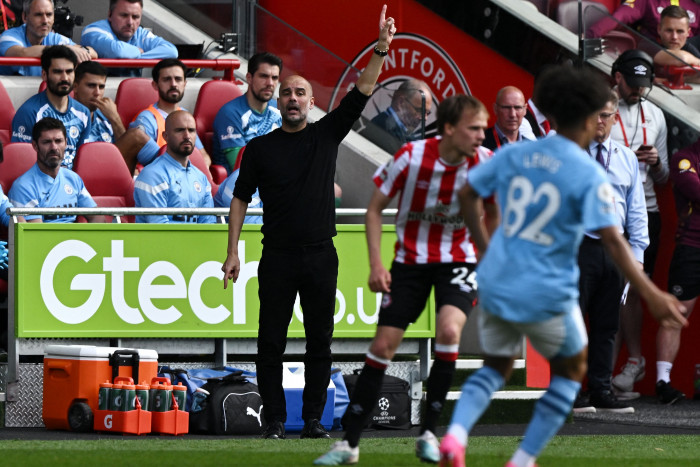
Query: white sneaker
(340, 454)
(428, 447)
(631, 373)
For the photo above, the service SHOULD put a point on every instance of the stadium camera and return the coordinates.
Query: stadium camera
(64, 20)
(228, 42)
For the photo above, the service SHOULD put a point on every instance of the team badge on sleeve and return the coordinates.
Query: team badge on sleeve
(606, 195)
(683, 165)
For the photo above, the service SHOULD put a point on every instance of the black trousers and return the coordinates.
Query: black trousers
(311, 271)
(600, 287)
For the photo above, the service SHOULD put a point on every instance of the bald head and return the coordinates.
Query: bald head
(295, 102)
(180, 133)
(510, 110)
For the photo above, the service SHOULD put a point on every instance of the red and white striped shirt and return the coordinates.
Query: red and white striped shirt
(429, 226)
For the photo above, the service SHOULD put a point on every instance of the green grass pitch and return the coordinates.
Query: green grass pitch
(570, 451)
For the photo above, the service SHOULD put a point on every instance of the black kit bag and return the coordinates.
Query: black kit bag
(233, 407)
(393, 407)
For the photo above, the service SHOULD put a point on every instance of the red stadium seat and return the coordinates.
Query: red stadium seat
(567, 14)
(616, 42)
(6, 116)
(19, 157)
(212, 96)
(106, 176)
(239, 159)
(134, 95)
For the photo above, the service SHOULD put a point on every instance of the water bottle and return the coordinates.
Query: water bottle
(142, 395)
(198, 398)
(180, 393)
(103, 396)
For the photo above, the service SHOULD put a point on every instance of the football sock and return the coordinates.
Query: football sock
(663, 371)
(550, 414)
(522, 459)
(439, 383)
(367, 389)
(476, 397)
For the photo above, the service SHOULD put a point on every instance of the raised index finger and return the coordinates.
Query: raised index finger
(382, 17)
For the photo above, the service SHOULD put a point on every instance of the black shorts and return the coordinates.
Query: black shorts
(684, 272)
(411, 284)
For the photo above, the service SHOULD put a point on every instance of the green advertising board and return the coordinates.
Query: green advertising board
(147, 280)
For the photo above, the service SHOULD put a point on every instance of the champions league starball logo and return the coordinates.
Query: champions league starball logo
(410, 56)
(383, 405)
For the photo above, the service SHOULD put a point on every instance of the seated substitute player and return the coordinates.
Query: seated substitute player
(5, 221)
(105, 123)
(550, 192)
(58, 70)
(169, 79)
(31, 38)
(433, 249)
(47, 184)
(253, 114)
(171, 181)
(223, 198)
(4, 204)
(121, 36)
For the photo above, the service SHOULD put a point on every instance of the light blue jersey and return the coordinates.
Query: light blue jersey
(4, 204)
(236, 124)
(100, 128)
(18, 36)
(223, 198)
(35, 189)
(76, 120)
(146, 122)
(143, 44)
(165, 183)
(550, 192)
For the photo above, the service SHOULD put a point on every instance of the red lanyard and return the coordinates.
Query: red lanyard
(644, 127)
(495, 137)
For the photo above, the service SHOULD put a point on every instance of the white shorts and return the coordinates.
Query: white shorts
(564, 335)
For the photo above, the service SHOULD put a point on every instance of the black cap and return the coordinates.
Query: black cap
(637, 72)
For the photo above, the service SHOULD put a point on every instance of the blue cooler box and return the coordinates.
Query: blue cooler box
(293, 383)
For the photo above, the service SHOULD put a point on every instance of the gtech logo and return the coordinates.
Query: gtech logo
(411, 56)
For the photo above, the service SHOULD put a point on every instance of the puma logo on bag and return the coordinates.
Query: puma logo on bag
(251, 411)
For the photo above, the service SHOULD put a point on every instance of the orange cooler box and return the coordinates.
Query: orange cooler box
(72, 377)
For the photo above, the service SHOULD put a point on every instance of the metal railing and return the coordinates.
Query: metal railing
(227, 65)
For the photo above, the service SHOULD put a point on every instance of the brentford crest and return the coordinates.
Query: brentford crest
(410, 56)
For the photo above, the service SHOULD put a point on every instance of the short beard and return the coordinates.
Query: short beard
(171, 100)
(260, 98)
(57, 91)
(294, 122)
(176, 151)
